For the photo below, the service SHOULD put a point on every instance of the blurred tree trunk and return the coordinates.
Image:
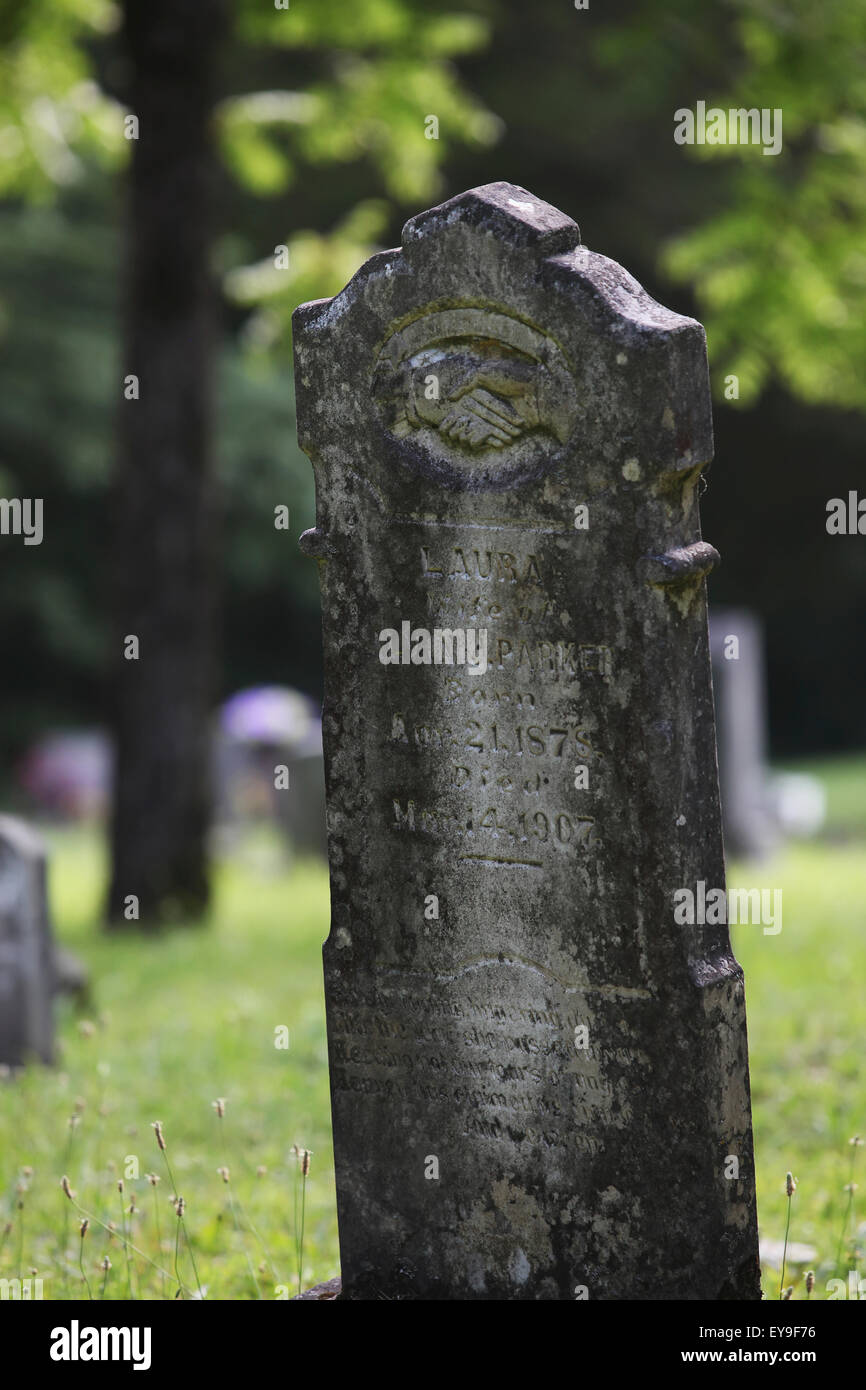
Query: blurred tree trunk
(165, 506)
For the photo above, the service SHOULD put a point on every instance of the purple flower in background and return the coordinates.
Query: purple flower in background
(272, 714)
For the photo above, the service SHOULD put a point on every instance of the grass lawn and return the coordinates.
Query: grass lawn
(180, 1021)
(844, 780)
(195, 1015)
(806, 1005)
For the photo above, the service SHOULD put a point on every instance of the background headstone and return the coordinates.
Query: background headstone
(260, 729)
(737, 651)
(539, 1080)
(301, 813)
(27, 968)
(759, 807)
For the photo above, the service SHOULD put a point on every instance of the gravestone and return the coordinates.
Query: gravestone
(301, 815)
(750, 825)
(27, 967)
(539, 1080)
(268, 760)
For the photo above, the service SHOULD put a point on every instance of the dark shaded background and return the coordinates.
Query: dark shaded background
(574, 133)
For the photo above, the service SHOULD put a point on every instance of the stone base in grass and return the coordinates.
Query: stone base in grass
(324, 1292)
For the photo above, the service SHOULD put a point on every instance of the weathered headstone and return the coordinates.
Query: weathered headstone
(268, 758)
(539, 1079)
(301, 815)
(27, 968)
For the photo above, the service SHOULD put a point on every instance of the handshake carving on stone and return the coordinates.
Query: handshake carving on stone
(482, 404)
(484, 388)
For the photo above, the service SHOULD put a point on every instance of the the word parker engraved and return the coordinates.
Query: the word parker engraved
(539, 1080)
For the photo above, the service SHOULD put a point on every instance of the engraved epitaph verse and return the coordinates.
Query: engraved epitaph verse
(506, 990)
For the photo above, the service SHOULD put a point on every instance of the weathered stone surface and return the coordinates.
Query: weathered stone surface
(328, 1292)
(27, 968)
(570, 1060)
